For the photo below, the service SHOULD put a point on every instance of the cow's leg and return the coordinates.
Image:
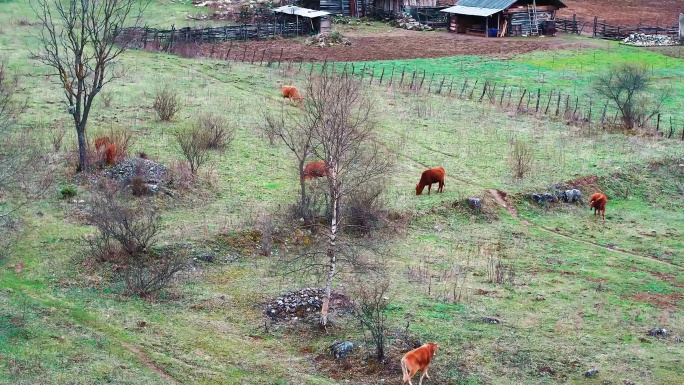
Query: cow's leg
(413, 373)
(421, 377)
(425, 372)
(429, 188)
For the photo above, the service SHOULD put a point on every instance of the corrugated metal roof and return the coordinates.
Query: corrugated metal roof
(304, 12)
(472, 11)
(491, 4)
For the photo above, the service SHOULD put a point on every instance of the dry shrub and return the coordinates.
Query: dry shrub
(127, 232)
(167, 103)
(365, 208)
(107, 97)
(57, 138)
(217, 129)
(521, 158)
(370, 303)
(180, 175)
(193, 145)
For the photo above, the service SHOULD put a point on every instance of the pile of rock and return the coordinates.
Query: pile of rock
(643, 40)
(152, 173)
(327, 39)
(407, 21)
(296, 304)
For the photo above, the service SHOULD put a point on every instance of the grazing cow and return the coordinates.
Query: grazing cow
(598, 203)
(291, 92)
(110, 154)
(429, 177)
(418, 359)
(102, 142)
(314, 170)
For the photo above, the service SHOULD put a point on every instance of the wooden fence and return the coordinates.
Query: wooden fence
(604, 30)
(587, 111)
(140, 37)
(571, 25)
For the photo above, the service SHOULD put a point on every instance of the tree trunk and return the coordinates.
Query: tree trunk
(302, 185)
(331, 249)
(82, 155)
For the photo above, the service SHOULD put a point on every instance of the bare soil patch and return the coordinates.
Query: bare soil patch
(394, 44)
(663, 301)
(625, 12)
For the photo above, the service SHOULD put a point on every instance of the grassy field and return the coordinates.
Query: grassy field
(579, 294)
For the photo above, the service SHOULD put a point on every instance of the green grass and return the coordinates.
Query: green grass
(571, 305)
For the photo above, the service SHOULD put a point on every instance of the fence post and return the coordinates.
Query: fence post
(521, 99)
(431, 79)
(548, 103)
(465, 83)
(244, 54)
(440, 86)
(372, 75)
(262, 56)
(558, 103)
(470, 97)
(591, 103)
(536, 109)
(391, 77)
(421, 81)
(503, 93)
(382, 75)
(450, 85)
(402, 76)
(253, 55)
(484, 90)
(413, 77)
(279, 59)
(363, 71)
(603, 116)
(658, 123)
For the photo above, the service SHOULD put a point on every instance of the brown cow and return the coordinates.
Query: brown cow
(418, 359)
(102, 142)
(110, 154)
(291, 92)
(315, 170)
(598, 203)
(429, 177)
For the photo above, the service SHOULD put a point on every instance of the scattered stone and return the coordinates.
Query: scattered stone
(491, 320)
(643, 40)
(569, 196)
(152, 173)
(591, 373)
(341, 349)
(407, 21)
(628, 382)
(546, 371)
(606, 382)
(327, 39)
(475, 204)
(296, 304)
(658, 332)
(543, 198)
(207, 257)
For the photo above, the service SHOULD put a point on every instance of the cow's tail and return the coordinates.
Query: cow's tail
(404, 371)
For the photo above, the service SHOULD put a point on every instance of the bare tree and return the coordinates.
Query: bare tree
(80, 42)
(343, 119)
(193, 145)
(297, 133)
(627, 86)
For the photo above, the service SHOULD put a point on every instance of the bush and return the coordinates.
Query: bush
(364, 209)
(370, 303)
(218, 133)
(193, 146)
(521, 158)
(68, 191)
(167, 103)
(126, 234)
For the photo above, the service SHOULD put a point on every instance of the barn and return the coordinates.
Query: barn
(494, 18)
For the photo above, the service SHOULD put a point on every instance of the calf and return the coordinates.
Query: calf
(291, 92)
(429, 177)
(417, 359)
(598, 203)
(314, 170)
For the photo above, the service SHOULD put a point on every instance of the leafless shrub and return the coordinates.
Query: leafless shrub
(193, 145)
(628, 87)
(364, 208)
(57, 138)
(167, 103)
(107, 98)
(521, 157)
(498, 273)
(370, 302)
(126, 233)
(180, 176)
(218, 130)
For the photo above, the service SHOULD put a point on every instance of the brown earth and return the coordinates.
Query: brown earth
(625, 12)
(391, 44)
(663, 301)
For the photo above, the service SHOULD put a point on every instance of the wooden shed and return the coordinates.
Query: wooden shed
(317, 21)
(397, 6)
(504, 17)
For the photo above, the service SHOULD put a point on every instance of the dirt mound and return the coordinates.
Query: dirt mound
(663, 301)
(587, 184)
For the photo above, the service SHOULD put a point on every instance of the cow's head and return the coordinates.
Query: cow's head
(419, 189)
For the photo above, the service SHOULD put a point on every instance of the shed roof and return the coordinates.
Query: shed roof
(299, 11)
(490, 7)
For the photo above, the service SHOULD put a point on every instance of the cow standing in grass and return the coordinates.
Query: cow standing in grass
(598, 203)
(429, 177)
(417, 359)
(292, 93)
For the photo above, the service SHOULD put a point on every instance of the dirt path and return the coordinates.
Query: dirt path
(147, 362)
(500, 199)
